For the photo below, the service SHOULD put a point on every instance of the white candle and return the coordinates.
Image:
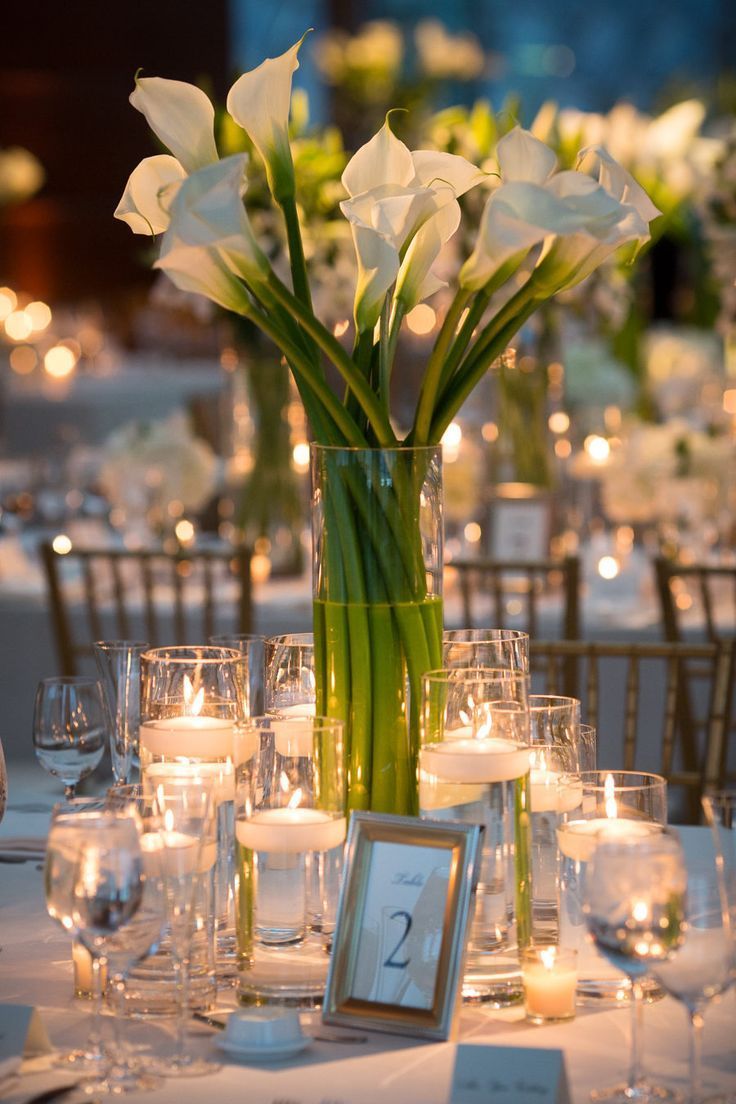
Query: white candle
(577, 838)
(304, 709)
(220, 774)
(183, 854)
(554, 792)
(549, 975)
(291, 831)
(486, 759)
(197, 737)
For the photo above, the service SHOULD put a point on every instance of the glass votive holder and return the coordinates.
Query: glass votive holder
(506, 648)
(290, 679)
(290, 831)
(549, 975)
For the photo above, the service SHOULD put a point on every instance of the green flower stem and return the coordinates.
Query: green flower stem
(433, 375)
(522, 862)
(390, 768)
(384, 357)
(362, 354)
(461, 342)
(332, 348)
(296, 252)
(472, 371)
(361, 706)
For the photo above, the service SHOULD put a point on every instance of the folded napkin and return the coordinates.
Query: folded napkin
(23, 849)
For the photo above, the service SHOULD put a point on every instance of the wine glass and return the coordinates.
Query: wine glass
(719, 807)
(119, 666)
(70, 723)
(107, 893)
(83, 820)
(634, 907)
(703, 966)
(186, 813)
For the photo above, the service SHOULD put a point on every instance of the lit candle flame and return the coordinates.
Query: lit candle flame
(610, 800)
(169, 820)
(640, 911)
(192, 702)
(548, 956)
(295, 800)
(284, 782)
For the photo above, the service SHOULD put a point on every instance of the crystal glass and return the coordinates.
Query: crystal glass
(719, 807)
(111, 911)
(70, 725)
(474, 767)
(290, 678)
(633, 805)
(634, 908)
(74, 823)
(119, 667)
(185, 811)
(192, 699)
(508, 648)
(704, 965)
(253, 649)
(557, 757)
(290, 829)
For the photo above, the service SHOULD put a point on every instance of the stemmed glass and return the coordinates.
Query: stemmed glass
(119, 666)
(703, 966)
(70, 722)
(186, 815)
(719, 807)
(634, 911)
(3, 782)
(117, 912)
(74, 824)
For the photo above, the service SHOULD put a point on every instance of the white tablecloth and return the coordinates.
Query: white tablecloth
(35, 969)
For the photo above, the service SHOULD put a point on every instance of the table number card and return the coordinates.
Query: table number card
(509, 1075)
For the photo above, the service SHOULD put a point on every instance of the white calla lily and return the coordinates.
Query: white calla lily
(260, 102)
(181, 116)
(382, 160)
(208, 211)
(521, 156)
(149, 192)
(378, 266)
(416, 281)
(196, 269)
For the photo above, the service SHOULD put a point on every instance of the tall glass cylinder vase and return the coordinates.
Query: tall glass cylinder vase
(377, 586)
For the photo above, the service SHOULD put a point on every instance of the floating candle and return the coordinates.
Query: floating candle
(291, 830)
(549, 976)
(577, 839)
(488, 759)
(199, 737)
(554, 792)
(221, 775)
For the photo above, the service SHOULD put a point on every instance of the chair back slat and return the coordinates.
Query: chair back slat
(176, 598)
(645, 713)
(490, 589)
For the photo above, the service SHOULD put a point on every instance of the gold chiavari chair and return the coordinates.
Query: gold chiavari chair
(164, 598)
(634, 694)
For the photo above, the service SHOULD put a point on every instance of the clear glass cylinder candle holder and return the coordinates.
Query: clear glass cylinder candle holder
(290, 678)
(474, 767)
(507, 648)
(290, 823)
(192, 698)
(627, 805)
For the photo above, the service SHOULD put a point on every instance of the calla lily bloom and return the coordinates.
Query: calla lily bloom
(208, 212)
(260, 101)
(202, 271)
(149, 193)
(181, 116)
(395, 193)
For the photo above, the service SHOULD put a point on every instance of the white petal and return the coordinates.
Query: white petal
(181, 116)
(431, 166)
(393, 211)
(260, 102)
(415, 280)
(620, 183)
(148, 194)
(382, 160)
(503, 236)
(378, 264)
(521, 156)
(194, 268)
(208, 211)
(597, 208)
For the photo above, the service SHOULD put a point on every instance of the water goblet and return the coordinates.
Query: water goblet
(73, 823)
(703, 966)
(119, 667)
(634, 909)
(719, 807)
(70, 723)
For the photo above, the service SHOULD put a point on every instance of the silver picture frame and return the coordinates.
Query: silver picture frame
(406, 902)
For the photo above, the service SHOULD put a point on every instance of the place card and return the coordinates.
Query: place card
(509, 1075)
(22, 1032)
